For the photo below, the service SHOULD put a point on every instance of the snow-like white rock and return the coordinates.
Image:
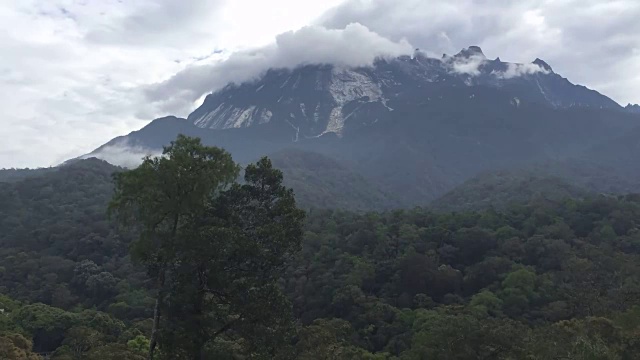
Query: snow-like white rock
(348, 85)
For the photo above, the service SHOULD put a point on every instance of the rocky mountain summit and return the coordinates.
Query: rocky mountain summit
(410, 128)
(319, 99)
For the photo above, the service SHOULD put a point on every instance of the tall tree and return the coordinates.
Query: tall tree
(229, 266)
(159, 198)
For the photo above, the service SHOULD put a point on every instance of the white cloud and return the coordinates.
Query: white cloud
(152, 23)
(515, 70)
(471, 65)
(353, 46)
(591, 42)
(467, 65)
(71, 71)
(123, 154)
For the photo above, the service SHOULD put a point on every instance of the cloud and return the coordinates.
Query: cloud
(515, 70)
(65, 95)
(123, 154)
(150, 22)
(470, 63)
(467, 65)
(591, 42)
(74, 74)
(72, 71)
(353, 46)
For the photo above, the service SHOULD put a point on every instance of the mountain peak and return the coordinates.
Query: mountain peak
(542, 64)
(635, 108)
(471, 51)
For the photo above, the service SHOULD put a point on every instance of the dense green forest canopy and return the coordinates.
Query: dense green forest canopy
(542, 280)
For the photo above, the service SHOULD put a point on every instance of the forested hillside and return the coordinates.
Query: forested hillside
(502, 189)
(11, 175)
(322, 182)
(545, 280)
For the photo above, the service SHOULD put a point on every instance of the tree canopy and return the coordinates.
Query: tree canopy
(248, 275)
(215, 249)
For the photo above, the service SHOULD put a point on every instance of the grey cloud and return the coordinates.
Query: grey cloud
(591, 42)
(161, 23)
(434, 25)
(355, 45)
(66, 95)
(73, 72)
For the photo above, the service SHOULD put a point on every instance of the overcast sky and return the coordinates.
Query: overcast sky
(76, 73)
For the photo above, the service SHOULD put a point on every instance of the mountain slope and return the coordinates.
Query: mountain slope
(432, 142)
(318, 99)
(413, 127)
(79, 191)
(621, 153)
(12, 175)
(322, 182)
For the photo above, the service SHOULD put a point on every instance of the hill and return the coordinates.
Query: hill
(11, 175)
(501, 190)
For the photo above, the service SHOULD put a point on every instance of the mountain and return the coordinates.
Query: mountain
(410, 129)
(635, 108)
(620, 153)
(319, 99)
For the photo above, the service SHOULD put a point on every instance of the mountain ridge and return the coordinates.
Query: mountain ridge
(635, 108)
(414, 126)
(318, 99)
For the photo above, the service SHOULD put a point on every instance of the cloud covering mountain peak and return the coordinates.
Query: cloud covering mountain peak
(353, 46)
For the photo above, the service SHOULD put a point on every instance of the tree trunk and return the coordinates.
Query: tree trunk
(156, 316)
(156, 311)
(154, 330)
(198, 310)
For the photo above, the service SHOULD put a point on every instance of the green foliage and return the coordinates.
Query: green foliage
(438, 335)
(503, 189)
(80, 339)
(229, 265)
(54, 236)
(139, 344)
(158, 196)
(45, 324)
(495, 274)
(486, 303)
(329, 339)
(160, 200)
(215, 249)
(113, 352)
(549, 280)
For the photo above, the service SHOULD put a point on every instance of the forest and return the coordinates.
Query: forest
(178, 259)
